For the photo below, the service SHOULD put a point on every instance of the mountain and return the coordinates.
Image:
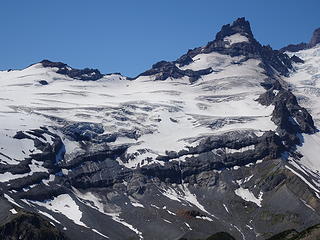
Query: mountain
(315, 39)
(221, 142)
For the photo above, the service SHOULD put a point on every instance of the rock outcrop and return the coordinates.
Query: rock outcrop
(86, 74)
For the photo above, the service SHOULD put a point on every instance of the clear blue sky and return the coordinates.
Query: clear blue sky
(128, 36)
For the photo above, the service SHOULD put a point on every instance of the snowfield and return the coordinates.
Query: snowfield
(305, 81)
(248, 196)
(165, 115)
(236, 38)
(305, 84)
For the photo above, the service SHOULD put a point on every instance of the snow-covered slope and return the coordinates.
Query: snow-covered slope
(164, 115)
(305, 83)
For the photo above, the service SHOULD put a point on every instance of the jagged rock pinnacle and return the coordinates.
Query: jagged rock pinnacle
(241, 25)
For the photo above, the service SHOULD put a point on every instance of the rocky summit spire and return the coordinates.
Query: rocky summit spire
(315, 38)
(241, 25)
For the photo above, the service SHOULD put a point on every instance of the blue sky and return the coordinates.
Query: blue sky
(128, 36)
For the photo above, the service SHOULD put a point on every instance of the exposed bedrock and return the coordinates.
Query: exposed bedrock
(164, 70)
(86, 74)
(292, 119)
(215, 153)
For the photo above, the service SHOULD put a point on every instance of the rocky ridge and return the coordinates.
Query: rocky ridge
(315, 39)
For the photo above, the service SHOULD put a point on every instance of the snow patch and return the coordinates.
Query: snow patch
(248, 196)
(13, 211)
(305, 180)
(65, 205)
(236, 38)
(166, 220)
(225, 207)
(96, 231)
(241, 150)
(48, 216)
(10, 199)
(184, 194)
(135, 203)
